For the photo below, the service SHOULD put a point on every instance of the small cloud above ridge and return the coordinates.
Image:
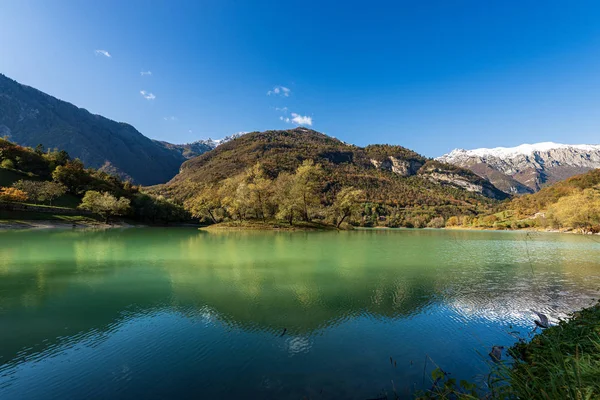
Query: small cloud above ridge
(102, 53)
(147, 95)
(280, 91)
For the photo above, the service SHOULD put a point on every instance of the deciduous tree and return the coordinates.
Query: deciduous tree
(73, 175)
(104, 204)
(346, 205)
(282, 196)
(41, 191)
(307, 186)
(205, 204)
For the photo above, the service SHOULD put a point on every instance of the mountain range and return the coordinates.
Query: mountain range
(528, 167)
(30, 117)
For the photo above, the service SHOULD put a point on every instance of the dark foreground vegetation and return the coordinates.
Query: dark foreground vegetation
(562, 362)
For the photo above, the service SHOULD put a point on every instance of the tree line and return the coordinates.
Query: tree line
(290, 197)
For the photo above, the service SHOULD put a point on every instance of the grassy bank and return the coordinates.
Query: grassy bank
(561, 362)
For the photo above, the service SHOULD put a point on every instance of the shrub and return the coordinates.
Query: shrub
(452, 221)
(437, 222)
(416, 221)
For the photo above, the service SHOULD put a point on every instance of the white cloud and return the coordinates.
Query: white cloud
(171, 118)
(283, 110)
(280, 91)
(297, 119)
(143, 73)
(301, 120)
(147, 95)
(102, 53)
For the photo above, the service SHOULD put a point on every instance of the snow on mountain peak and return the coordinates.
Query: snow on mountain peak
(216, 142)
(524, 149)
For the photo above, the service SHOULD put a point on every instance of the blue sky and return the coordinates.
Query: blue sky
(428, 75)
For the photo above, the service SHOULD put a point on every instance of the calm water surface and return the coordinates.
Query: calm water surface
(179, 313)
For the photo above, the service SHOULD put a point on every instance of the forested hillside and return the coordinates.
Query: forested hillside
(570, 204)
(398, 187)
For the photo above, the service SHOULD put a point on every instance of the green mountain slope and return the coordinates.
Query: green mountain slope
(30, 117)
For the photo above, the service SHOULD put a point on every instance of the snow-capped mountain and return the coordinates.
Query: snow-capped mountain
(526, 168)
(190, 150)
(212, 143)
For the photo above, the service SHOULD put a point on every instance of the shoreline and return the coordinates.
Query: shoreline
(272, 226)
(8, 225)
(538, 230)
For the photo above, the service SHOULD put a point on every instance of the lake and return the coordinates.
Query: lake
(181, 313)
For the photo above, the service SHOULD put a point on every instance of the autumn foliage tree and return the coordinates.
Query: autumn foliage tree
(306, 188)
(205, 204)
(73, 175)
(11, 194)
(346, 204)
(282, 196)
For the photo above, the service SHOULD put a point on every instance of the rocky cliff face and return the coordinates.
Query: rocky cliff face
(448, 174)
(526, 168)
(398, 166)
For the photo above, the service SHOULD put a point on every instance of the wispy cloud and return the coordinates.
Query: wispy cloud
(147, 95)
(285, 119)
(146, 73)
(280, 91)
(283, 109)
(171, 118)
(301, 119)
(102, 53)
